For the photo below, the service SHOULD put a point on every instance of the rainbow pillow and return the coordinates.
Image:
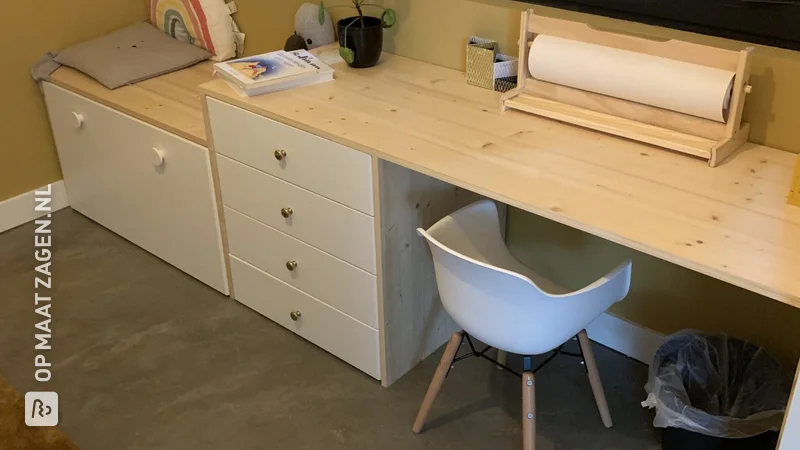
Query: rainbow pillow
(204, 23)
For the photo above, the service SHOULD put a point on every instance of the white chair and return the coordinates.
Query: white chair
(503, 303)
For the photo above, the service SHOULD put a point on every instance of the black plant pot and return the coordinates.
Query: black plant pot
(366, 43)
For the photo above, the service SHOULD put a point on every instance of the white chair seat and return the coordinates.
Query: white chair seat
(502, 302)
(497, 299)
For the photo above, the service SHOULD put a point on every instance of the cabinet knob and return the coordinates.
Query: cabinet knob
(286, 212)
(157, 157)
(291, 265)
(295, 315)
(78, 119)
(280, 154)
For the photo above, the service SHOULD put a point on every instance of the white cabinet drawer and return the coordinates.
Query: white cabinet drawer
(324, 326)
(328, 279)
(327, 225)
(319, 165)
(113, 176)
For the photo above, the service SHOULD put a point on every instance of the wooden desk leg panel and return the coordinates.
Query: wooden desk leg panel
(412, 319)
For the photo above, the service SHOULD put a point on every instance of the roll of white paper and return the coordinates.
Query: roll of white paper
(674, 85)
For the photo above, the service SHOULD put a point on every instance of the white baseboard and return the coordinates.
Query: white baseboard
(628, 338)
(21, 209)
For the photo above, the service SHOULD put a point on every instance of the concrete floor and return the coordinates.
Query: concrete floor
(146, 357)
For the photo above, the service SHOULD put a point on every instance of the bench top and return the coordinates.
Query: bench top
(172, 102)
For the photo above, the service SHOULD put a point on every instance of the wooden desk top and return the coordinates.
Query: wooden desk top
(730, 222)
(172, 102)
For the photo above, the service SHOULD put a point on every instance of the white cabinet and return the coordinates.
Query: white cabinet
(147, 185)
(301, 231)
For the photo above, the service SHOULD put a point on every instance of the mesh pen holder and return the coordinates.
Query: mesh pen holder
(488, 69)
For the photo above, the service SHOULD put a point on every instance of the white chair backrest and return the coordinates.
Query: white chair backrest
(495, 298)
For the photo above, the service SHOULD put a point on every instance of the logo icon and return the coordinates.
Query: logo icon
(41, 409)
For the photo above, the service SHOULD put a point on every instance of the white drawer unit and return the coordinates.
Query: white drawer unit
(149, 186)
(332, 227)
(300, 221)
(310, 318)
(327, 278)
(319, 165)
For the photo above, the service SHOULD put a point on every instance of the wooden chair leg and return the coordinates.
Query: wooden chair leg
(528, 412)
(594, 378)
(438, 379)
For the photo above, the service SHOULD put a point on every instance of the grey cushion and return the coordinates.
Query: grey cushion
(132, 54)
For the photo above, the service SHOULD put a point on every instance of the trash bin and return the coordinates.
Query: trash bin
(713, 392)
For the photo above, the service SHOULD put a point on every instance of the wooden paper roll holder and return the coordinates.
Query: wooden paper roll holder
(703, 138)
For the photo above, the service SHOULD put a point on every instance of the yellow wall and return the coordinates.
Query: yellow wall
(269, 23)
(28, 158)
(663, 297)
(437, 31)
(31, 28)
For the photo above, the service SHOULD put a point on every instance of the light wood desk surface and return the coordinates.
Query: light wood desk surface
(730, 222)
(172, 102)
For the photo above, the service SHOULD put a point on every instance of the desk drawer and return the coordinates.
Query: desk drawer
(115, 175)
(319, 165)
(329, 279)
(327, 225)
(324, 326)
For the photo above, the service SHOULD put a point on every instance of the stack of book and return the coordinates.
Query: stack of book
(275, 71)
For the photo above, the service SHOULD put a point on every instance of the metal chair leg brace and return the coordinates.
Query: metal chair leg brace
(526, 360)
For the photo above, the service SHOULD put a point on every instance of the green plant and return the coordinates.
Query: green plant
(388, 18)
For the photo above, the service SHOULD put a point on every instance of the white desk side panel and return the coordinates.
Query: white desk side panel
(790, 438)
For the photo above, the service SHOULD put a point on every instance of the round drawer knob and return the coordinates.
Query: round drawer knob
(286, 212)
(78, 119)
(291, 265)
(280, 154)
(295, 315)
(157, 157)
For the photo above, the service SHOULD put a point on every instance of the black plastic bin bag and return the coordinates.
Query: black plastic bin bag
(716, 386)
